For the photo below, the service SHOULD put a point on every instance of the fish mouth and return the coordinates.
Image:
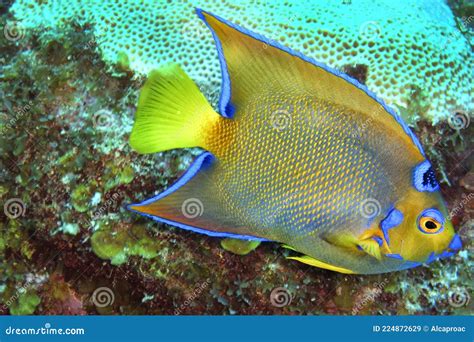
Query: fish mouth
(454, 246)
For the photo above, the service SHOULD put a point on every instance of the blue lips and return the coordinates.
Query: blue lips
(455, 243)
(454, 246)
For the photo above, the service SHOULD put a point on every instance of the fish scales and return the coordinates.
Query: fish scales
(298, 154)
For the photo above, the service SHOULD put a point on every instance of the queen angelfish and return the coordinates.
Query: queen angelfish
(298, 153)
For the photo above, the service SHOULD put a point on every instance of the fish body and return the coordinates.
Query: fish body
(300, 154)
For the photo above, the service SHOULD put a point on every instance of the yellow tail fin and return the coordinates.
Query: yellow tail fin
(172, 113)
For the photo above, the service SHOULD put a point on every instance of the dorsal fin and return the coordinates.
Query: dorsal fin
(252, 65)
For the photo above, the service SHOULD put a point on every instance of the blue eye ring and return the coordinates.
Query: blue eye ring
(431, 221)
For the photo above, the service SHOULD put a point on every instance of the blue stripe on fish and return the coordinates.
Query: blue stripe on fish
(394, 256)
(379, 240)
(226, 86)
(203, 161)
(393, 219)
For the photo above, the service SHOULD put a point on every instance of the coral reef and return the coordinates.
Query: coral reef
(405, 45)
(67, 246)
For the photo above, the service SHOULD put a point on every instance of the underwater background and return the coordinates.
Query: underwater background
(70, 77)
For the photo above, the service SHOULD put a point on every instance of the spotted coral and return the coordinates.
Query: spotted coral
(404, 44)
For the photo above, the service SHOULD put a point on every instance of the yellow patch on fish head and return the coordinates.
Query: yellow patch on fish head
(425, 229)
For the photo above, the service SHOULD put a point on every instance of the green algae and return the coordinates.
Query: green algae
(82, 195)
(118, 246)
(25, 304)
(239, 247)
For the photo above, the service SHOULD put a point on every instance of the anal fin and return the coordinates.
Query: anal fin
(193, 203)
(305, 259)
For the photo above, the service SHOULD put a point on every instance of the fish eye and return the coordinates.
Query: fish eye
(429, 225)
(430, 221)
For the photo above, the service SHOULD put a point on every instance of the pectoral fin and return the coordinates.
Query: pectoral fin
(371, 247)
(369, 242)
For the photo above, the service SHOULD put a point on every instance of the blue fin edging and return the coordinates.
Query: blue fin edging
(225, 108)
(226, 86)
(202, 162)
